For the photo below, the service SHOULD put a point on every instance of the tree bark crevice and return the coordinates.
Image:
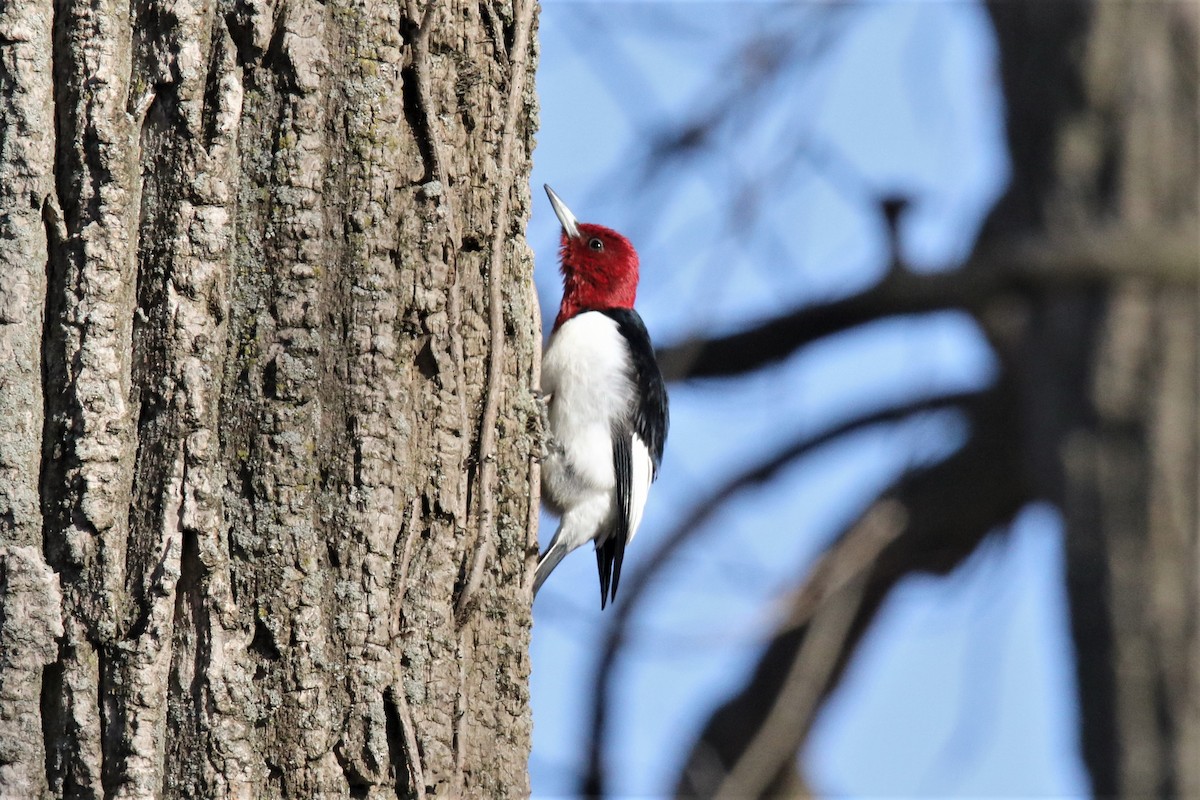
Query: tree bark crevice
(235, 435)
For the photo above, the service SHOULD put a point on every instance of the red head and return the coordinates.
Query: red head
(599, 266)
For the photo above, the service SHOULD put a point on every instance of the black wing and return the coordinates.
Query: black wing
(651, 417)
(648, 421)
(610, 552)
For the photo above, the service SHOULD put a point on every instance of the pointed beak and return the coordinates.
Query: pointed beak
(570, 225)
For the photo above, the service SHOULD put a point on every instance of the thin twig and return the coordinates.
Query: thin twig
(500, 226)
(421, 65)
(460, 713)
(409, 731)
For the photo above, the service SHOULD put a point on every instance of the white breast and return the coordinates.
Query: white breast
(586, 374)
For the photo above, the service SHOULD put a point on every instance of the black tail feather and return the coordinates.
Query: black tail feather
(609, 557)
(602, 565)
(618, 558)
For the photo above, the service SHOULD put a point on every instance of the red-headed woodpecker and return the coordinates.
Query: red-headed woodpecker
(606, 402)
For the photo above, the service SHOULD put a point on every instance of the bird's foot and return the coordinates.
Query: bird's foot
(548, 445)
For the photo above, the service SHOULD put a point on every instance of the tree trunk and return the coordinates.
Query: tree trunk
(1104, 128)
(265, 318)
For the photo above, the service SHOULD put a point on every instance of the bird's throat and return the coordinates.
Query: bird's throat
(579, 296)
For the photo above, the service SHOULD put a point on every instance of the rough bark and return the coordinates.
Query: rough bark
(267, 338)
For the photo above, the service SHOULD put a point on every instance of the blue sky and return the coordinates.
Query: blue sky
(965, 686)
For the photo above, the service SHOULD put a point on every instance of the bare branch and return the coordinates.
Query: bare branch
(743, 352)
(1014, 267)
(830, 599)
(951, 508)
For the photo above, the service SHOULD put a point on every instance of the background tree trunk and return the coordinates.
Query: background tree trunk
(265, 313)
(1104, 128)
(1086, 280)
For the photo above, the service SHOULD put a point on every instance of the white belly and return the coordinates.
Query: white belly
(586, 375)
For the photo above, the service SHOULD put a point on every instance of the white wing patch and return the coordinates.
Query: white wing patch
(642, 477)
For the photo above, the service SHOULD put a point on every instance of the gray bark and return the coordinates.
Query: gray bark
(267, 338)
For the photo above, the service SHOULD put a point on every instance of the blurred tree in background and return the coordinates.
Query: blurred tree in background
(1085, 283)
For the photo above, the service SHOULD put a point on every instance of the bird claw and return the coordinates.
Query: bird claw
(549, 445)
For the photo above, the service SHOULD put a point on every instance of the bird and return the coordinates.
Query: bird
(605, 402)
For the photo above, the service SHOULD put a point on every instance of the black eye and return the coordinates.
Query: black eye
(596, 245)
